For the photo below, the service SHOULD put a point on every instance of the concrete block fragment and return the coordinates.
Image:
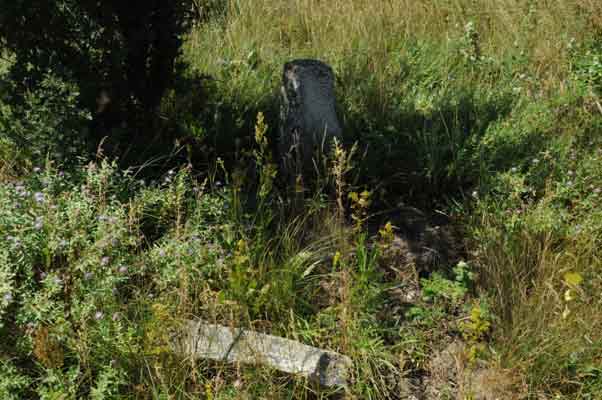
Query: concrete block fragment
(215, 342)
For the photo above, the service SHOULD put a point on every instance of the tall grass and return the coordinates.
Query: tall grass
(497, 98)
(370, 32)
(420, 83)
(485, 111)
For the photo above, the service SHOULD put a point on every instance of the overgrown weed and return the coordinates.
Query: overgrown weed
(486, 111)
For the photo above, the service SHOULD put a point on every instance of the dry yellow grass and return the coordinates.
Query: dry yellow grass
(340, 29)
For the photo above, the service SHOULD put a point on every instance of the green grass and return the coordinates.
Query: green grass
(486, 111)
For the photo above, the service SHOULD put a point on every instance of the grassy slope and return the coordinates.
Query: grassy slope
(497, 96)
(488, 111)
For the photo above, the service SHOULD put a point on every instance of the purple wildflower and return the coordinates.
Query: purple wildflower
(104, 261)
(123, 269)
(39, 197)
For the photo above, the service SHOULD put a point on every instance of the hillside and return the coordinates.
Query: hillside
(451, 246)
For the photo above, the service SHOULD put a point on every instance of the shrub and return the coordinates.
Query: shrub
(119, 54)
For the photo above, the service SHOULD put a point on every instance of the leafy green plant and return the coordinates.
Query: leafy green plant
(437, 287)
(48, 123)
(475, 330)
(13, 384)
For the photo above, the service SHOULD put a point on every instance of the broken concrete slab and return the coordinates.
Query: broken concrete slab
(199, 339)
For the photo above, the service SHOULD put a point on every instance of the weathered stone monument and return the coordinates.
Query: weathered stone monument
(308, 119)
